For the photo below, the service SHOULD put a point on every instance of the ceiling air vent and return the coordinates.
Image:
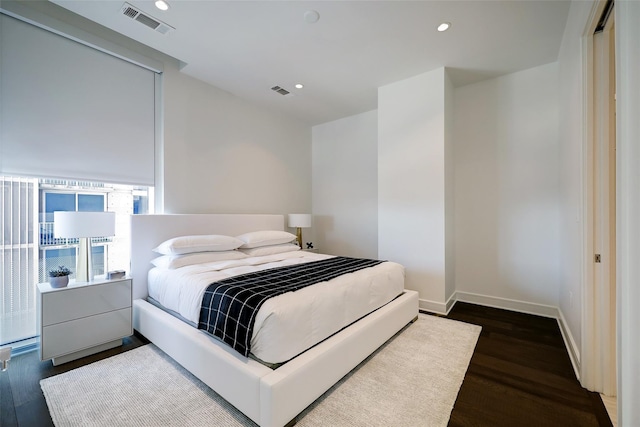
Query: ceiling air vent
(280, 90)
(153, 23)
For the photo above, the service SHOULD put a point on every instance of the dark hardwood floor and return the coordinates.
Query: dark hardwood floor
(520, 375)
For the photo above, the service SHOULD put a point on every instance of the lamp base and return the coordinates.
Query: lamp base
(299, 236)
(84, 267)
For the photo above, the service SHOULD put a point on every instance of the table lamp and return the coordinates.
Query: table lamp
(84, 225)
(299, 221)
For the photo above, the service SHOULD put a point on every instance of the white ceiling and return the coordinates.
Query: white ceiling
(246, 47)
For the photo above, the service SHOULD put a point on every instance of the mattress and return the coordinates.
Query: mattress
(288, 324)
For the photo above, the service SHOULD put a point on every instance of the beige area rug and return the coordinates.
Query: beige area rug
(413, 380)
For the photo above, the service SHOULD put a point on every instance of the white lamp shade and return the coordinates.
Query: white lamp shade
(300, 220)
(84, 224)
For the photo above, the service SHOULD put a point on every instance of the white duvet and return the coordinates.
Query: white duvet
(288, 324)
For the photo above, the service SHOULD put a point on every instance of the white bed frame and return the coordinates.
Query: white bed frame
(271, 398)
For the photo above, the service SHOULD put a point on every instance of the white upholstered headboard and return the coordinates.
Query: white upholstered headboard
(148, 231)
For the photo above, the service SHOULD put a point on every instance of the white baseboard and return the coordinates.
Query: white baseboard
(438, 307)
(433, 307)
(570, 343)
(508, 304)
(451, 302)
(529, 308)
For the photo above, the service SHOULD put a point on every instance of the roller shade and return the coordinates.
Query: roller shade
(70, 111)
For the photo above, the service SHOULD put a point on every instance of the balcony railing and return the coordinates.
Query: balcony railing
(47, 239)
(67, 183)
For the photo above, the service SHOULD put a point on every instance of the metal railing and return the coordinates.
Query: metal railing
(44, 182)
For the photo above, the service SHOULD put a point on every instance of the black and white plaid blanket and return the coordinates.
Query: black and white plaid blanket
(229, 306)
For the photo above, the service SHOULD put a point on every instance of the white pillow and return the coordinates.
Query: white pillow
(172, 262)
(204, 243)
(270, 250)
(256, 239)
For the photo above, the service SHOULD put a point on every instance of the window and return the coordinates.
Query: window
(72, 197)
(28, 248)
(91, 202)
(63, 136)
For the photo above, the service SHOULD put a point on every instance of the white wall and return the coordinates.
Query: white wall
(345, 187)
(627, 16)
(507, 189)
(224, 155)
(411, 182)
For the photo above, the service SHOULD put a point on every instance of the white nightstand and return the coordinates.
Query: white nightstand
(83, 318)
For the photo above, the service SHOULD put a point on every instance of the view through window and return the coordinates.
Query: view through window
(29, 249)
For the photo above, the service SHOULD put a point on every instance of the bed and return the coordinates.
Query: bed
(270, 397)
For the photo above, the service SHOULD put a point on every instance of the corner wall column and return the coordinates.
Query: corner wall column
(412, 183)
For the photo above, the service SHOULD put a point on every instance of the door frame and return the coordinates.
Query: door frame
(598, 352)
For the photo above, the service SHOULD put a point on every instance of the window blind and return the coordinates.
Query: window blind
(18, 258)
(70, 111)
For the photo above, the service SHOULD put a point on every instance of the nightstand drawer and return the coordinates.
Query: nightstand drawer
(79, 302)
(69, 337)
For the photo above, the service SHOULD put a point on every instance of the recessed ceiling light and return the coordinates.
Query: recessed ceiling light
(299, 85)
(162, 5)
(311, 16)
(444, 26)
